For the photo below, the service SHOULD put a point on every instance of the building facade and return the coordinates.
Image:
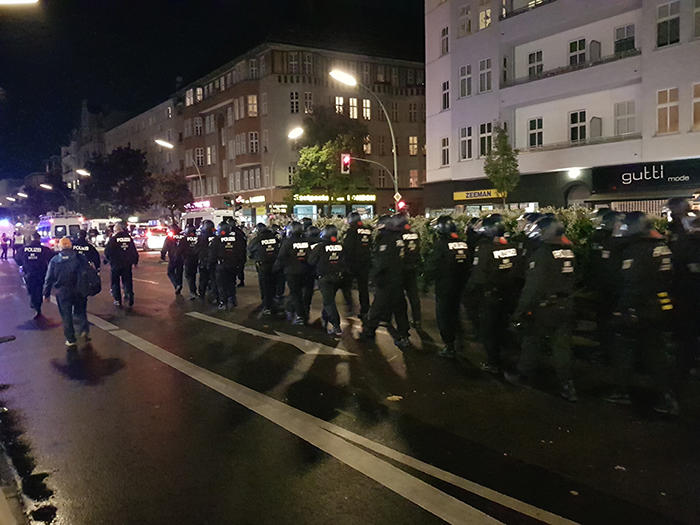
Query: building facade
(233, 143)
(601, 98)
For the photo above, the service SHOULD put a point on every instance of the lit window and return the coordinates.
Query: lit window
(465, 21)
(209, 158)
(445, 151)
(577, 126)
(293, 63)
(413, 146)
(535, 67)
(577, 52)
(253, 68)
(170, 112)
(413, 181)
(367, 145)
(339, 105)
(189, 97)
(485, 137)
(696, 107)
(465, 81)
(484, 75)
(535, 132)
(444, 41)
(624, 118)
(667, 111)
(465, 143)
(484, 14)
(445, 95)
(198, 126)
(199, 95)
(366, 109)
(308, 102)
(294, 101)
(413, 112)
(352, 107)
(624, 38)
(668, 24)
(252, 105)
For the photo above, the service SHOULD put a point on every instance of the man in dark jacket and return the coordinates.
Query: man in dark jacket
(264, 249)
(122, 256)
(207, 272)
(227, 253)
(171, 248)
(411, 271)
(357, 246)
(293, 259)
(313, 235)
(328, 258)
(88, 251)
(187, 251)
(242, 237)
(63, 275)
(35, 262)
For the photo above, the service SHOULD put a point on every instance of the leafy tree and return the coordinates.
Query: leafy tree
(327, 125)
(172, 191)
(501, 166)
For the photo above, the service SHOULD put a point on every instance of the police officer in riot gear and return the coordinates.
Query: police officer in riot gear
(81, 245)
(207, 271)
(313, 235)
(496, 279)
(226, 251)
(412, 269)
(357, 245)
(449, 266)
(293, 260)
(306, 223)
(328, 258)
(389, 299)
(279, 274)
(187, 251)
(545, 309)
(240, 234)
(35, 262)
(264, 249)
(643, 310)
(171, 248)
(122, 256)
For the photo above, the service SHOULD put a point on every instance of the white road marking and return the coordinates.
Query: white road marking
(97, 321)
(145, 281)
(306, 346)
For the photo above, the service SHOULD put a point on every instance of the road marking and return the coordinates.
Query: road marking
(306, 346)
(97, 321)
(422, 494)
(145, 281)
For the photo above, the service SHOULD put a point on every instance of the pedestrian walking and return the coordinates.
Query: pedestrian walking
(35, 263)
(171, 249)
(62, 275)
(4, 244)
(264, 249)
(357, 247)
(82, 246)
(293, 260)
(328, 259)
(122, 256)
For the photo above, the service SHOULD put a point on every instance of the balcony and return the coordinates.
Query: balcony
(588, 142)
(571, 68)
(516, 7)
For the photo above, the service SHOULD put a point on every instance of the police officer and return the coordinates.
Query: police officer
(545, 308)
(389, 299)
(279, 274)
(293, 260)
(412, 268)
(643, 310)
(496, 279)
(328, 258)
(264, 249)
(677, 208)
(240, 234)
(35, 261)
(121, 254)
(171, 247)
(187, 251)
(207, 271)
(226, 251)
(313, 235)
(88, 250)
(449, 266)
(357, 245)
(470, 298)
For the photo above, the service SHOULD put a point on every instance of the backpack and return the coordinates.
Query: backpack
(89, 283)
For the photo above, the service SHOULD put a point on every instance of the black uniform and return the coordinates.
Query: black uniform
(89, 251)
(685, 292)
(171, 248)
(264, 249)
(307, 293)
(207, 270)
(121, 254)
(329, 259)
(35, 262)
(293, 260)
(227, 253)
(187, 251)
(412, 269)
(240, 271)
(450, 266)
(357, 246)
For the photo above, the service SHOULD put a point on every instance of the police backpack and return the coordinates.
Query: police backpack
(89, 283)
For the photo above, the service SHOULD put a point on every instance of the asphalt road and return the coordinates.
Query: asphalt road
(178, 413)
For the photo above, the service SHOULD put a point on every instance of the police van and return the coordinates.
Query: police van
(196, 217)
(54, 226)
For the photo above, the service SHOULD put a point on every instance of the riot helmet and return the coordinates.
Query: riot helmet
(547, 230)
(398, 223)
(354, 219)
(329, 232)
(207, 227)
(82, 234)
(294, 229)
(491, 226)
(260, 227)
(190, 230)
(470, 224)
(634, 223)
(313, 233)
(527, 219)
(306, 222)
(445, 226)
(224, 228)
(381, 222)
(608, 220)
(174, 228)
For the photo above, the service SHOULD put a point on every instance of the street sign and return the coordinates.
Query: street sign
(397, 196)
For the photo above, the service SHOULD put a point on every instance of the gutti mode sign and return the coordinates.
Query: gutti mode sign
(677, 174)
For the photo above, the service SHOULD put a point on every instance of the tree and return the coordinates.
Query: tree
(172, 191)
(120, 183)
(501, 166)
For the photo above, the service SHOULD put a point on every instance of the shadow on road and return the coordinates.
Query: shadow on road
(87, 366)
(39, 323)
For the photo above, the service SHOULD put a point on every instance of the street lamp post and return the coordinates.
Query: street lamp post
(349, 80)
(292, 135)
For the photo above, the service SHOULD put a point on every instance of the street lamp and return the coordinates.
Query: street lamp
(11, 199)
(48, 187)
(293, 135)
(18, 2)
(83, 172)
(22, 194)
(349, 80)
(170, 145)
(165, 143)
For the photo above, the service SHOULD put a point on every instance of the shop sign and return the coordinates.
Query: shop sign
(201, 204)
(311, 198)
(476, 194)
(326, 198)
(363, 198)
(649, 175)
(257, 198)
(259, 212)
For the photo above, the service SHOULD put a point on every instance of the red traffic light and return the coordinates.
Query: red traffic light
(345, 160)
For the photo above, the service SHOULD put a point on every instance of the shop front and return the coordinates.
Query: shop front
(317, 206)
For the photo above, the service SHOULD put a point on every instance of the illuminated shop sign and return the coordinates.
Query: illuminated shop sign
(201, 204)
(665, 175)
(475, 195)
(326, 198)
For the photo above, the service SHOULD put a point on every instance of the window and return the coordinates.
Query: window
(413, 181)
(465, 143)
(199, 156)
(209, 186)
(294, 101)
(265, 141)
(257, 177)
(367, 145)
(309, 102)
(211, 155)
(242, 143)
(230, 151)
(188, 128)
(484, 75)
(198, 126)
(238, 145)
(577, 126)
(236, 109)
(696, 107)
(395, 111)
(624, 38)
(222, 83)
(169, 113)
(394, 76)
(263, 103)
(381, 116)
(366, 109)
(381, 179)
(253, 68)
(339, 105)
(445, 151)
(381, 145)
(207, 125)
(308, 64)
(254, 142)
(485, 137)
(366, 74)
(445, 95)
(465, 81)
(266, 176)
(380, 74)
(245, 179)
(231, 187)
(668, 24)
(410, 78)
(577, 52)
(535, 132)
(238, 181)
(292, 170)
(189, 161)
(252, 179)
(696, 20)
(464, 26)
(352, 107)
(252, 105)
(293, 63)
(263, 67)
(198, 94)
(484, 14)
(444, 41)
(413, 146)
(229, 116)
(189, 97)
(534, 64)
(413, 112)
(624, 118)
(667, 111)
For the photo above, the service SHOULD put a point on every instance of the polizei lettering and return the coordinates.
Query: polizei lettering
(334, 248)
(504, 254)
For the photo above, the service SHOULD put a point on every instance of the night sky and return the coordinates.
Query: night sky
(128, 54)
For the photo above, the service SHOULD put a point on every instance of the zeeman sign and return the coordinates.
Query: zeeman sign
(476, 194)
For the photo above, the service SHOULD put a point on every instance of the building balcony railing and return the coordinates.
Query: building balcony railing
(513, 10)
(573, 67)
(587, 142)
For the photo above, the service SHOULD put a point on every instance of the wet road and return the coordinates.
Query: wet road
(179, 413)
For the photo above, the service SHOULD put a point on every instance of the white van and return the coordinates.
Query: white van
(54, 226)
(196, 217)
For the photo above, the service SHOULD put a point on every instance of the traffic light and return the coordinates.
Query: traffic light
(401, 205)
(345, 159)
(227, 201)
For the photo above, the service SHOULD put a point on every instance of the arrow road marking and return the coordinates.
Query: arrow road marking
(306, 346)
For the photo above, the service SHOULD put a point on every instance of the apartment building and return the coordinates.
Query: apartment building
(234, 144)
(601, 98)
